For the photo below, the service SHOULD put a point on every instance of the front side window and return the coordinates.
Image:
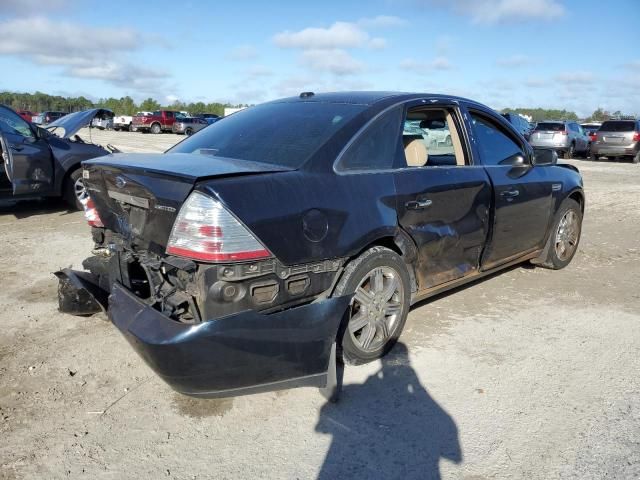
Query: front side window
(13, 124)
(496, 146)
(374, 148)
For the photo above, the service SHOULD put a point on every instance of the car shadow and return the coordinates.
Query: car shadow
(28, 208)
(387, 427)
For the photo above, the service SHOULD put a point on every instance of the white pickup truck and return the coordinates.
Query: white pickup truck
(124, 122)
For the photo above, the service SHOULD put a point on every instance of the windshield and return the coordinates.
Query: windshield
(285, 134)
(618, 126)
(550, 127)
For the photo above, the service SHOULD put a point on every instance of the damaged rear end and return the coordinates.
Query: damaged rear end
(200, 298)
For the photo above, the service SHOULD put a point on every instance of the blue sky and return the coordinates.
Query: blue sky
(574, 54)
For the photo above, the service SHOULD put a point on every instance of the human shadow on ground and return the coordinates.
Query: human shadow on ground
(388, 427)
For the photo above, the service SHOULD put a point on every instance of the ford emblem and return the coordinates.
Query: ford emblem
(120, 182)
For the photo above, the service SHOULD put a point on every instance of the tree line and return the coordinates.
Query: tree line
(41, 102)
(540, 114)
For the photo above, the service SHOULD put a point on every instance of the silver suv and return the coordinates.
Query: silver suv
(617, 138)
(565, 137)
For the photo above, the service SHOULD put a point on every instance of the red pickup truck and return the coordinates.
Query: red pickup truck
(158, 122)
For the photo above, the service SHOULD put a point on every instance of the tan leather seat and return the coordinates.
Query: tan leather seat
(415, 151)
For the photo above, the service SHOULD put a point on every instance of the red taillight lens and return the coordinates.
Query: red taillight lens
(205, 230)
(636, 136)
(90, 213)
(593, 137)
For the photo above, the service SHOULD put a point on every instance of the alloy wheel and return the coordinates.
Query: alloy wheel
(376, 309)
(567, 235)
(80, 190)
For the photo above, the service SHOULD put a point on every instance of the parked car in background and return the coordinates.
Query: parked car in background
(26, 115)
(520, 123)
(252, 254)
(104, 121)
(46, 118)
(209, 117)
(188, 125)
(158, 122)
(618, 138)
(38, 162)
(590, 129)
(566, 137)
(123, 122)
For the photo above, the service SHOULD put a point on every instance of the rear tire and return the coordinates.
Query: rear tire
(379, 282)
(636, 158)
(564, 237)
(568, 154)
(156, 128)
(74, 190)
(593, 157)
(188, 132)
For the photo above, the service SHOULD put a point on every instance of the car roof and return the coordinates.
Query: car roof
(364, 97)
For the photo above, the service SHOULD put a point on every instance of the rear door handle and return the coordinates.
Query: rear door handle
(510, 193)
(418, 204)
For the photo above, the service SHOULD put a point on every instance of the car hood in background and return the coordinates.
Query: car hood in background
(69, 125)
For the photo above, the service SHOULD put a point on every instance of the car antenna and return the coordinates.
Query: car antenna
(306, 94)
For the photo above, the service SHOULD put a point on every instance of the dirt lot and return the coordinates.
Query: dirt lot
(528, 374)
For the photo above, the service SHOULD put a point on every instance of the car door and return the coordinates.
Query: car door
(442, 198)
(26, 157)
(522, 193)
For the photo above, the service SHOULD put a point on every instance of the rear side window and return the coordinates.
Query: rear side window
(496, 146)
(375, 148)
(284, 133)
(550, 127)
(618, 126)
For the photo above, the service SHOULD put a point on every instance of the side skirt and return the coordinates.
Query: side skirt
(430, 292)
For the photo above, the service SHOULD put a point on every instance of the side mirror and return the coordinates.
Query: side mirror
(544, 156)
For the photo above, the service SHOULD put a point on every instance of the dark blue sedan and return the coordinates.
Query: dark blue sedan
(270, 247)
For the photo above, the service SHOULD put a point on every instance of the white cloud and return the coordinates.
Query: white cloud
(29, 7)
(243, 52)
(513, 61)
(575, 78)
(81, 51)
(417, 66)
(634, 65)
(502, 11)
(377, 43)
(536, 83)
(255, 71)
(382, 21)
(338, 35)
(336, 61)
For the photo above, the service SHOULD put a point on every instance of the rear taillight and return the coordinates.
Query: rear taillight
(564, 132)
(90, 213)
(205, 230)
(593, 137)
(636, 136)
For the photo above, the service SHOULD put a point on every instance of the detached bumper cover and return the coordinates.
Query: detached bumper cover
(79, 293)
(247, 352)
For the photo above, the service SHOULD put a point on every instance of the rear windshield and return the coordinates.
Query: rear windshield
(550, 127)
(285, 134)
(618, 126)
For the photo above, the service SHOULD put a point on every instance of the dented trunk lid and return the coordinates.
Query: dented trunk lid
(138, 195)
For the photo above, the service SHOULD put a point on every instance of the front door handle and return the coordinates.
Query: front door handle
(16, 148)
(418, 204)
(510, 193)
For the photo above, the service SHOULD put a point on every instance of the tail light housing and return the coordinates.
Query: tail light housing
(91, 213)
(636, 136)
(205, 230)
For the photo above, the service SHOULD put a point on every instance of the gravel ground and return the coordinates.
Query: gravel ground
(527, 374)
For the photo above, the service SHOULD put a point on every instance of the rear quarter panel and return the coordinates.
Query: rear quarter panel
(303, 216)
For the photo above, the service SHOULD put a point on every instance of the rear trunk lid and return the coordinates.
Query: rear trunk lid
(138, 195)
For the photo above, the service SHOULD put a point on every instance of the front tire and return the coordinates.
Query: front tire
(188, 132)
(379, 282)
(565, 236)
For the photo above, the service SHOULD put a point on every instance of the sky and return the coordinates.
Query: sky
(574, 54)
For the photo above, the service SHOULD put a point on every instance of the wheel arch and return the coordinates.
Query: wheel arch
(578, 196)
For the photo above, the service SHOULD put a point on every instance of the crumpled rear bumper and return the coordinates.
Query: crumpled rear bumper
(243, 353)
